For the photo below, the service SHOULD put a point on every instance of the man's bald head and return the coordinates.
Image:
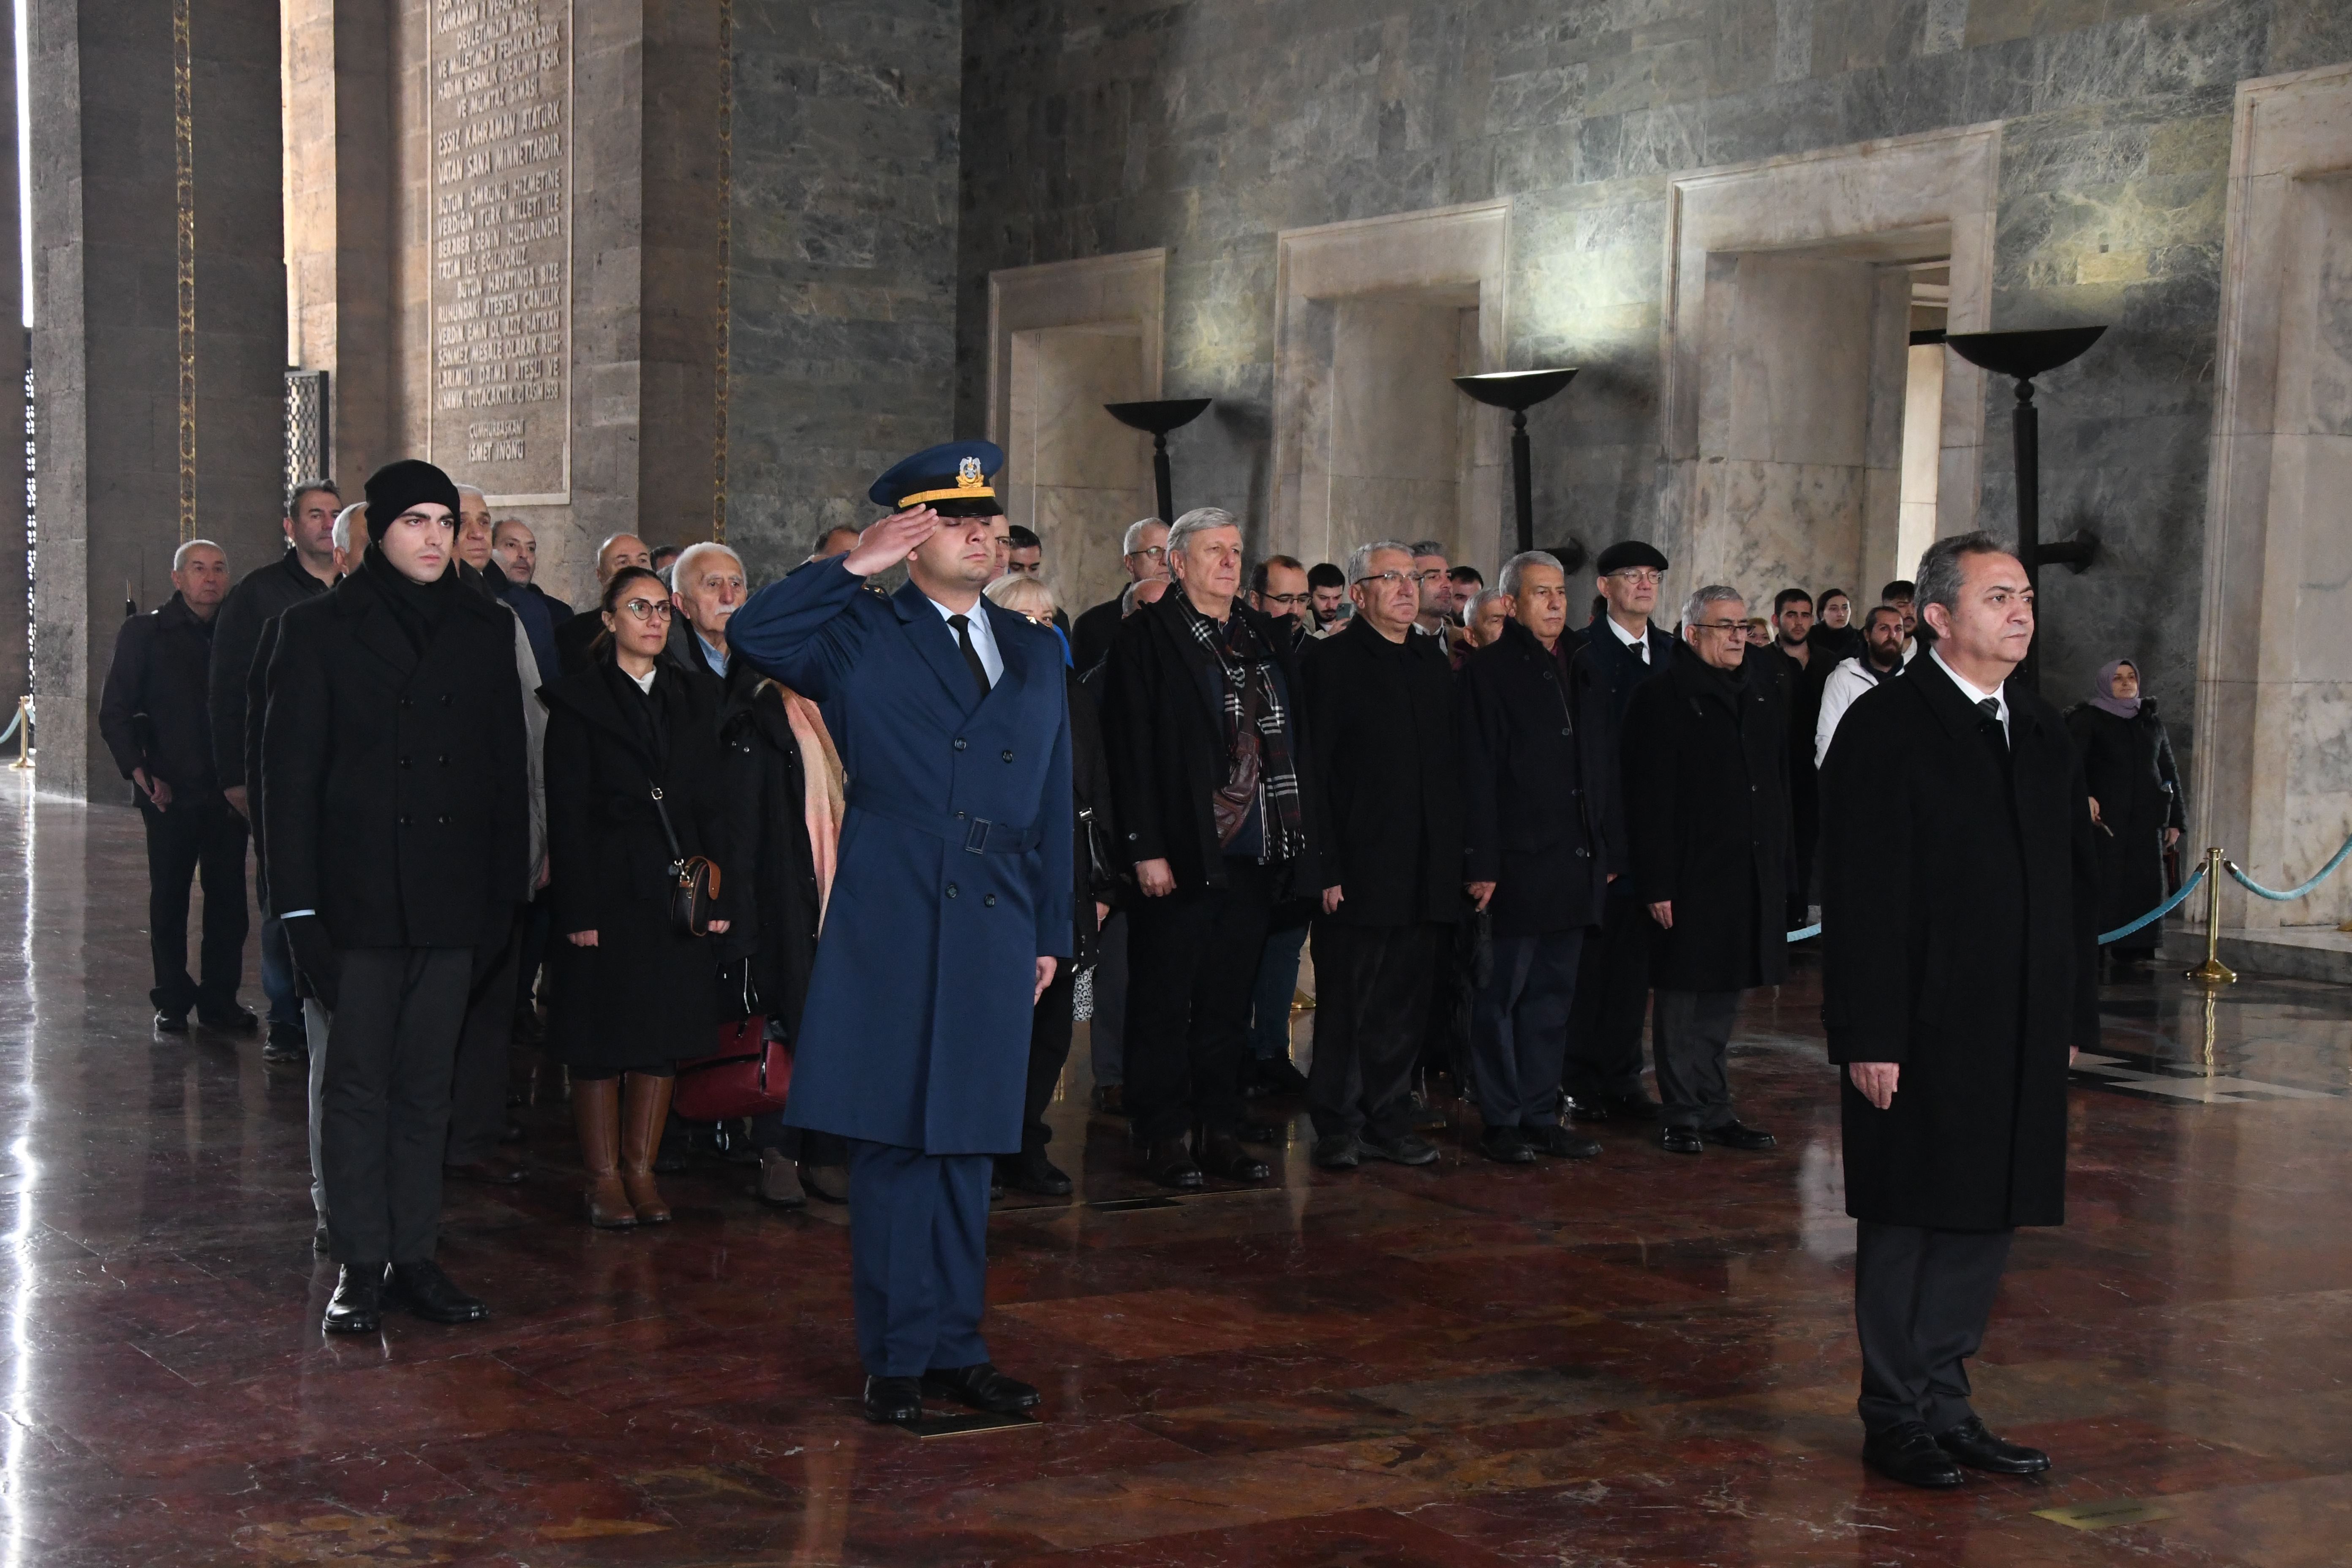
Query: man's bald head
(621, 550)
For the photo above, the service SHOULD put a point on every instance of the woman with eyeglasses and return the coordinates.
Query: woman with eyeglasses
(2136, 804)
(635, 782)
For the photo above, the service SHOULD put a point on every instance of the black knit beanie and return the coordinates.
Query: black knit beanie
(394, 487)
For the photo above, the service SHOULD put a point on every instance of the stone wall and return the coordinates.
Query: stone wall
(1208, 126)
(843, 336)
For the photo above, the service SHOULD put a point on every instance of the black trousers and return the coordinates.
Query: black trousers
(1612, 996)
(1051, 1024)
(1921, 1298)
(384, 1092)
(1191, 960)
(477, 1094)
(1372, 988)
(187, 841)
(1520, 1029)
(1691, 1035)
(1805, 820)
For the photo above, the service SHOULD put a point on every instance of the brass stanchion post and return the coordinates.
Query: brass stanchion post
(2213, 971)
(24, 736)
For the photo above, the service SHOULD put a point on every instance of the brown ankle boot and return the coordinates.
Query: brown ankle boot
(596, 1118)
(644, 1106)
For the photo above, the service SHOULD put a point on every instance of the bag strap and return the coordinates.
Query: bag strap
(677, 854)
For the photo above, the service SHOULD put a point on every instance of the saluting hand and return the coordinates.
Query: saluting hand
(891, 541)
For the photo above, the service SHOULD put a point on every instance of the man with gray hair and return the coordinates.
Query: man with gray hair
(1543, 835)
(154, 716)
(1213, 791)
(706, 585)
(1144, 554)
(1706, 808)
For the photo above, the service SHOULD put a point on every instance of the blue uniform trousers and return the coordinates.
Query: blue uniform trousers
(919, 1257)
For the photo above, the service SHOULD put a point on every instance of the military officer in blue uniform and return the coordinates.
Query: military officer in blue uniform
(949, 909)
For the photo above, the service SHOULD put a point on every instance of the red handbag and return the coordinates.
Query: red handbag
(748, 1075)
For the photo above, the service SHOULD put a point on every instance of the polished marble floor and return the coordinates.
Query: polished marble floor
(1642, 1359)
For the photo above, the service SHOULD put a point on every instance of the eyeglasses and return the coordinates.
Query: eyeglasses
(1639, 576)
(1390, 579)
(1736, 629)
(647, 609)
(1157, 552)
(1291, 601)
(1435, 575)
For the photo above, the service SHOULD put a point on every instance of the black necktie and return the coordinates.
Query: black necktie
(963, 625)
(1991, 708)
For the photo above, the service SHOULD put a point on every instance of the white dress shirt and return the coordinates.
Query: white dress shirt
(1975, 694)
(984, 638)
(1640, 645)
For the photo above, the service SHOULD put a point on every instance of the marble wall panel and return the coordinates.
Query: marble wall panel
(1763, 526)
(1077, 475)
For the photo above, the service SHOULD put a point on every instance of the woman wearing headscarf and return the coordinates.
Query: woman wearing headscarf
(634, 779)
(2135, 799)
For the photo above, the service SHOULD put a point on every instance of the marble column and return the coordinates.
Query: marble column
(107, 348)
(16, 662)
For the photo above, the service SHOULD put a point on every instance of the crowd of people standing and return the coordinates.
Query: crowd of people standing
(484, 821)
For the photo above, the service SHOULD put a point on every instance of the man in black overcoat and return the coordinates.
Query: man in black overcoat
(1706, 806)
(1543, 834)
(1380, 720)
(1604, 1074)
(1959, 979)
(397, 803)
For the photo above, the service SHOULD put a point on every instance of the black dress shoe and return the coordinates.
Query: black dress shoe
(1978, 1448)
(1274, 1074)
(424, 1290)
(983, 1387)
(1505, 1147)
(1261, 1133)
(1560, 1143)
(1681, 1141)
(1581, 1110)
(894, 1399)
(489, 1172)
(1907, 1453)
(357, 1305)
(1031, 1171)
(1427, 1117)
(286, 1043)
(1335, 1152)
(171, 1022)
(1733, 1135)
(1170, 1163)
(1223, 1156)
(1404, 1148)
(1634, 1107)
(229, 1020)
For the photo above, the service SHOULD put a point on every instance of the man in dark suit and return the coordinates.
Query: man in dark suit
(1211, 778)
(1958, 978)
(154, 717)
(1145, 556)
(396, 796)
(1543, 834)
(1603, 1076)
(1378, 711)
(305, 570)
(949, 914)
(1707, 808)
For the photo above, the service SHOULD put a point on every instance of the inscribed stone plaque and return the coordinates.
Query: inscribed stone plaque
(500, 119)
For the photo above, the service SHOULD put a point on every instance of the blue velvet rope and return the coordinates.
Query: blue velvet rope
(2244, 880)
(2120, 932)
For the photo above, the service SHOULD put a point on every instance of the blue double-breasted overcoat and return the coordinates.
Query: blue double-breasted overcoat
(954, 874)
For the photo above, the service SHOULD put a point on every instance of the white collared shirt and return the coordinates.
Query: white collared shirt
(1639, 644)
(983, 638)
(1975, 694)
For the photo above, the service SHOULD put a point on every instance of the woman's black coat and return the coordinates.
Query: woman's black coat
(1164, 733)
(774, 901)
(1541, 798)
(2128, 766)
(644, 993)
(1381, 716)
(1707, 805)
(1958, 885)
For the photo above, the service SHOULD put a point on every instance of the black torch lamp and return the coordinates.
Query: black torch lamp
(1157, 417)
(1518, 391)
(2024, 355)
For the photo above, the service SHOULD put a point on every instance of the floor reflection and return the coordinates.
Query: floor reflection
(1642, 1359)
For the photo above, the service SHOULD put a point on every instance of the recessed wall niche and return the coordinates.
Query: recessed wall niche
(2274, 662)
(1064, 339)
(1371, 440)
(1789, 289)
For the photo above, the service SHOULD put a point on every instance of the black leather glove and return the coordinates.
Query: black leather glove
(314, 954)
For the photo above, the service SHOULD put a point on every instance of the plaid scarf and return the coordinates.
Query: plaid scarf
(1258, 763)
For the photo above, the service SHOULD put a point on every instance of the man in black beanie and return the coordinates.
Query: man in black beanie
(394, 796)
